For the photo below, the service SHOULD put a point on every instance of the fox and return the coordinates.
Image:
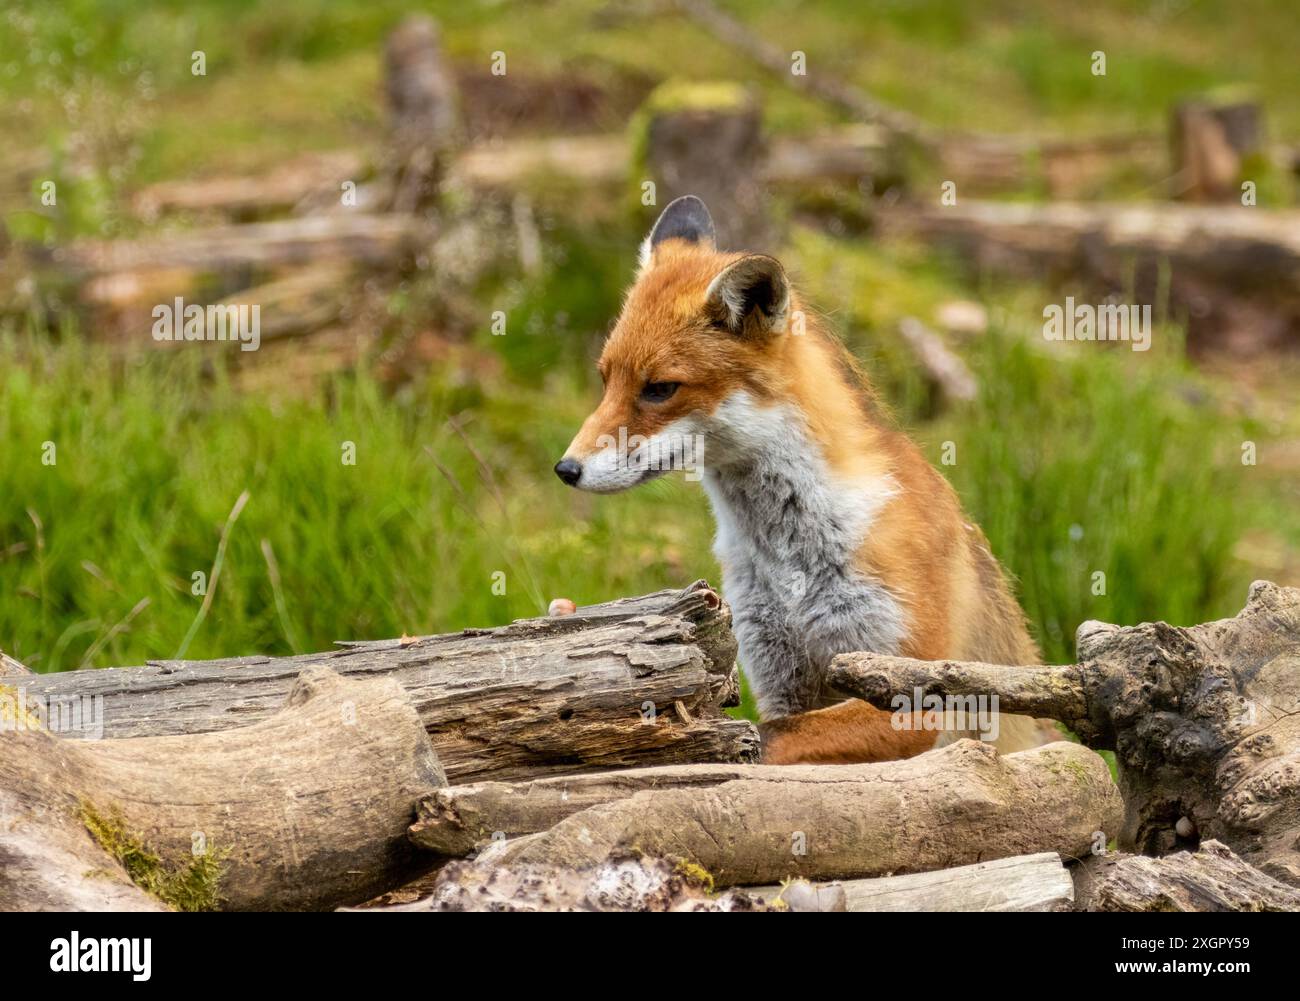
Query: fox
(833, 532)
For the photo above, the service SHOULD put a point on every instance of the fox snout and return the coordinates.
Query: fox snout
(569, 470)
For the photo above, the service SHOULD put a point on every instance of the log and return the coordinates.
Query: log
(377, 240)
(250, 196)
(461, 819)
(628, 883)
(1234, 271)
(957, 805)
(9, 667)
(1021, 883)
(1211, 878)
(639, 681)
(305, 810)
(1202, 720)
(942, 367)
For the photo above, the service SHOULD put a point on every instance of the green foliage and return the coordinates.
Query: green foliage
(1099, 463)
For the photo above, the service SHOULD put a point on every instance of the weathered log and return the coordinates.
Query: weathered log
(638, 681)
(941, 366)
(960, 804)
(251, 196)
(1211, 878)
(844, 153)
(9, 667)
(1234, 271)
(628, 883)
(305, 810)
(366, 239)
(461, 819)
(1202, 720)
(1020, 883)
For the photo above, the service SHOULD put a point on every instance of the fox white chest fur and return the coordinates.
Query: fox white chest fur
(787, 532)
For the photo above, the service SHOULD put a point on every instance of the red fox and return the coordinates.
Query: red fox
(833, 532)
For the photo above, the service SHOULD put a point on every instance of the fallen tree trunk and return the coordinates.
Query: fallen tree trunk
(461, 819)
(1234, 271)
(1202, 720)
(305, 810)
(960, 804)
(1210, 879)
(1020, 883)
(627, 883)
(368, 239)
(639, 681)
(251, 195)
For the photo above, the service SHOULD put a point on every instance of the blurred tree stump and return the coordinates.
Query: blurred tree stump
(423, 115)
(1211, 143)
(706, 139)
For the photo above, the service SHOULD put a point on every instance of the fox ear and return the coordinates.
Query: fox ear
(686, 218)
(750, 298)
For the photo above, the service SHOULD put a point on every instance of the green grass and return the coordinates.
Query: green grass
(1075, 462)
(103, 90)
(1072, 464)
(98, 551)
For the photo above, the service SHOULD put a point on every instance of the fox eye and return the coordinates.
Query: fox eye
(657, 392)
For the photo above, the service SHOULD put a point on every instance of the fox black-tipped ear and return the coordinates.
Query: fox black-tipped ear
(686, 218)
(751, 297)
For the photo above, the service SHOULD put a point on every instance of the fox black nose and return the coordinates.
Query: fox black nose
(569, 470)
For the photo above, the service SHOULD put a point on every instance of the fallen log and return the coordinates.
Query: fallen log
(375, 240)
(960, 804)
(11, 667)
(1020, 883)
(305, 810)
(943, 368)
(639, 681)
(1211, 878)
(627, 883)
(253, 195)
(461, 819)
(1202, 720)
(1234, 271)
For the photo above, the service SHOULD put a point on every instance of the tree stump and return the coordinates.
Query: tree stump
(1211, 142)
(706, 139)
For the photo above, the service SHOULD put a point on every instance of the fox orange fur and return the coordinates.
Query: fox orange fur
(833, 532)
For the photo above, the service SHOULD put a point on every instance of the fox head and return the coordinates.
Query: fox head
(699, 341)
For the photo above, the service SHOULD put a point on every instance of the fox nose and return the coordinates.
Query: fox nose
(569, 470)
